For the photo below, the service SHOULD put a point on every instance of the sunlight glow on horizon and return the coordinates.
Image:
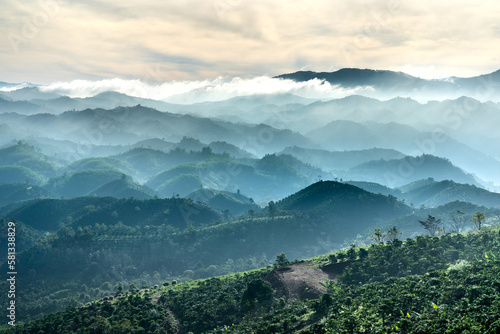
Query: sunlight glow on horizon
(48, 41)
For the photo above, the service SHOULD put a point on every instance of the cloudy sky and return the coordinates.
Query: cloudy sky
(163, 40)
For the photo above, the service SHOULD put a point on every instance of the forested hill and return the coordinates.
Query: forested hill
(344, 202)
(446, 284)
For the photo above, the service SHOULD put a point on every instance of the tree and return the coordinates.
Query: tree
(393, 234)
(478, 219)
(227, 215)
(457, 221)
(377, 236)
(281, 260)
(351, 252)
(272, 209)
(119, 290)
(363, 253)
(258, 292)
(206, 151)
(332, 258)
(431, 224)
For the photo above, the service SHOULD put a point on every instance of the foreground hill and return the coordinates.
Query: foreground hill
(106, 240)
(426, 285)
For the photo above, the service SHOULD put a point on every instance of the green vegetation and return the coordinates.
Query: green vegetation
(235, 203)
(82, 183)
(19, 174)
(30, 157)
(387, 172)
(424, 285)
(11, 193)
(124, 188)
(432, 225)
(123, 240)
(50, 214)
(432, 193)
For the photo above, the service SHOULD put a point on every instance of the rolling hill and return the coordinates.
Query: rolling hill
(432, 193)
(123, 188)
(398, 172)
(340, 160)
(415, 286)
(235, 203)
(82, 183)
(11, 193)
(28, 156)
(343, 203)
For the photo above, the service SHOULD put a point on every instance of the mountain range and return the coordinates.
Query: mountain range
(127, 193)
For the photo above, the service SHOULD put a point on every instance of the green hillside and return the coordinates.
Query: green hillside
(11, 193)
(234, 203)
(271, 177)
(174, 213)
(424, 285)
(177, 238)
(102, 163)
(124, 188)
(180, 185)
(50, 214)
(82, 183)
(19, 174)
(375, 188)
(432, 193)
(351, 207)
(399, 172)
(25, 155)
(340, 160)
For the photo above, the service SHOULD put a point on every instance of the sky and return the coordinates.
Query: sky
(157, 41)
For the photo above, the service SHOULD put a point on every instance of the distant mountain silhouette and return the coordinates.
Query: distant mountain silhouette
(354, 77)
(432, 193)
(399, 172)
(397, 81)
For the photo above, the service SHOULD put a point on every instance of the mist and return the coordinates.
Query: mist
(218, 89)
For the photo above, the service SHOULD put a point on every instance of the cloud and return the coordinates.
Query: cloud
(217, 89)
(9, 87)
(198, 39)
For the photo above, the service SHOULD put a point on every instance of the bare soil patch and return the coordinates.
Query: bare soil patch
(302, 280)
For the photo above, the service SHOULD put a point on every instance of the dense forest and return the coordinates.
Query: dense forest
(282, 214)
(123, 235)
(445, 284)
